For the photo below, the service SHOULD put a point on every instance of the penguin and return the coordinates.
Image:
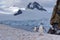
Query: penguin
(35, 28)
(41, 29)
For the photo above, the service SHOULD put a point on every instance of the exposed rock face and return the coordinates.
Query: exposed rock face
(19, 12)
(55, 18)
(32, 6)
(35, 5)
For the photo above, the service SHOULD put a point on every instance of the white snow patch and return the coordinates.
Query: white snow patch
(9, 33)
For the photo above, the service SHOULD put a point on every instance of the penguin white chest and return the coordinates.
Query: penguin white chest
(41, 30)
(34, 28)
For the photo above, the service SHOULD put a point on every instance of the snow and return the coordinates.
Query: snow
(9, 33)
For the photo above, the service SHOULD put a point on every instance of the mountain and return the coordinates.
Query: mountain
(35, 5)
(19, 12)
(32, 6)
(16, 10)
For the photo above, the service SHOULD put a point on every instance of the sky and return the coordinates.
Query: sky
(5, 4)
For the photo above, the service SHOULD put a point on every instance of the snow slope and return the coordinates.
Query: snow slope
(9, 33)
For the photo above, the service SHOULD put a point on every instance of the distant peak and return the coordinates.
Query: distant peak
(35, 5)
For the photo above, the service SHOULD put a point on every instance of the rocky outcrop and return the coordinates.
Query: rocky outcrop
(35, 5)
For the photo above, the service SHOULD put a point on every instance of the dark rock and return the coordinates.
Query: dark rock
(19, 12)
(51, 31)
(29, 6)
(35, 5)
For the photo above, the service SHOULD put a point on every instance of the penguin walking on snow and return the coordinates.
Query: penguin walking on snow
(35, 29)
(41, 29)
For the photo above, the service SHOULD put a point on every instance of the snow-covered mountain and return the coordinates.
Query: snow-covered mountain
(35, 5)
(16, 10)
(28, 19)
(28, 14)
(25, 19)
